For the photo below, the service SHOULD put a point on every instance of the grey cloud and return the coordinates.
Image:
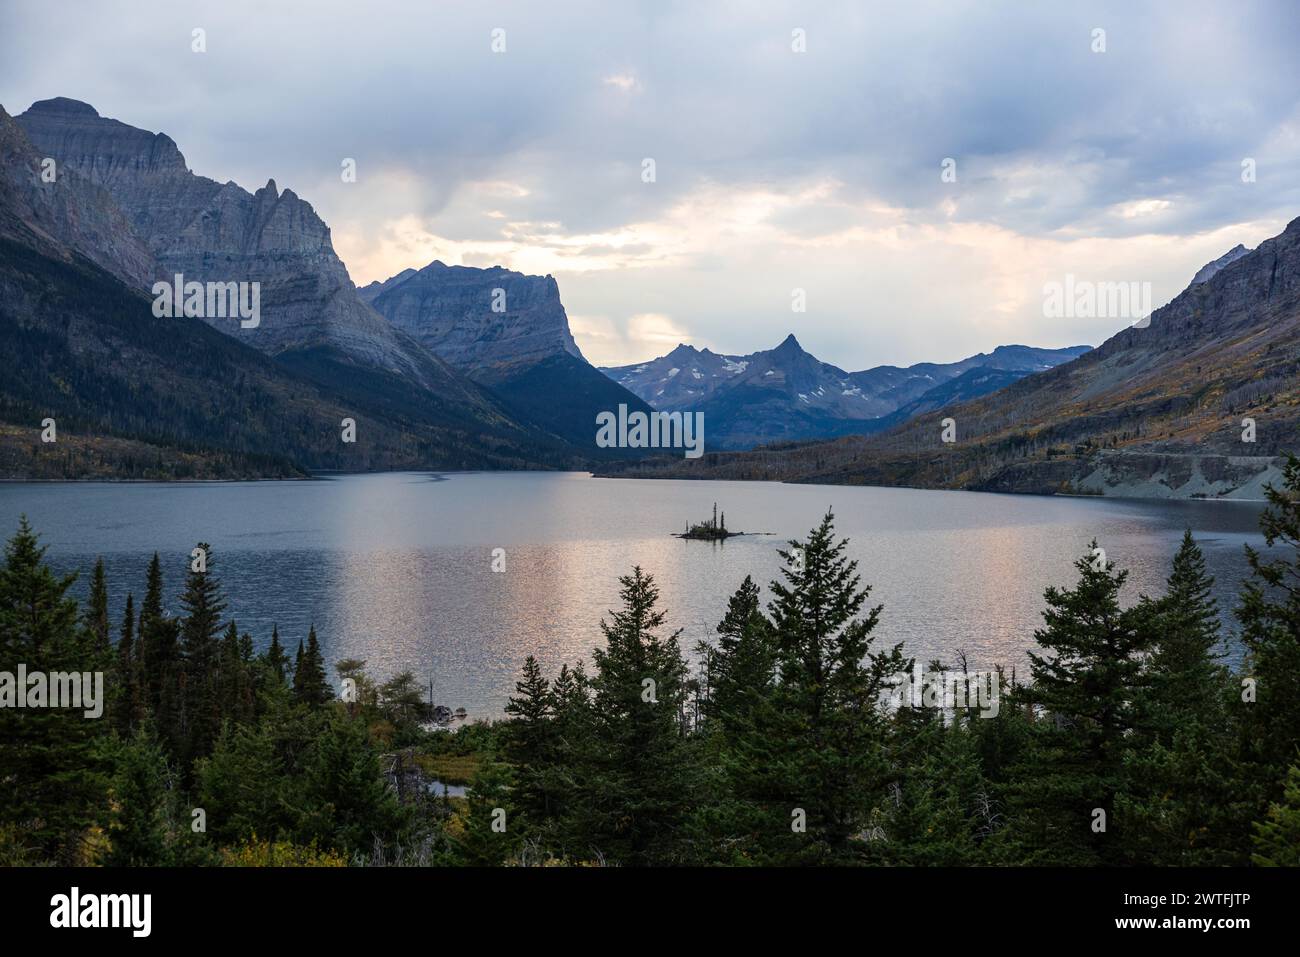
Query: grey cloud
(714, 94)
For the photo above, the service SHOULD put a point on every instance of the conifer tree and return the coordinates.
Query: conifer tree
(1269, 613)
(138, 832)
(530, 742)
(244, 786)
(96, 624)
(128, 673)
(1178, 805)
(942, 808)
(573, 739)
(1184, 680)
(402, 700)
(275, 657)
(742, 669)
(492, 831)
(161, 667)
(816, 751)
(204, 605)
(310, 686)
(366, 697)
(1087, 681)
(642, 776)
(53, 779)
(156, 652)
(347, 805)
(1277, 837)
(235, 682)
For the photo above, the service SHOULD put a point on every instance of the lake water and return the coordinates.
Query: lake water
(397, 568)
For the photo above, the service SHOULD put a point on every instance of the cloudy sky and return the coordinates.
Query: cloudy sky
(775, 170)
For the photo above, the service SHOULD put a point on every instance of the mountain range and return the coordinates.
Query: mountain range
(1201, 401)
(109, 201)
(454, 367)
(786, 394)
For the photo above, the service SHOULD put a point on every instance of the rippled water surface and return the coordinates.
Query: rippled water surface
(397, 568)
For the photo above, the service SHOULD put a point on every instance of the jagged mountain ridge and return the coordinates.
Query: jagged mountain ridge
(425, 415)
(210, 231)
(1209, 269)
(786, 393)
(1202, 401)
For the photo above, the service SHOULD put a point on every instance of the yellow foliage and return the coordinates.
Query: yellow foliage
(261, 853)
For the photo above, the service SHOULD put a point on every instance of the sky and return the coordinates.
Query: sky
(795, 146)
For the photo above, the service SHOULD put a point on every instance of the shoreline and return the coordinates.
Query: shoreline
(445, 474)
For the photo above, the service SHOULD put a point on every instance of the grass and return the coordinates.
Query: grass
(450, 768)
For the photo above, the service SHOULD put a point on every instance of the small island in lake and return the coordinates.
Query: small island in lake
(710, 530)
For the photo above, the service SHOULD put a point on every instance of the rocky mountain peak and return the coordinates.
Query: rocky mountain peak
(1209, 269)
(458, 313)
(67, 213)
(63, 105)
(214, 232)
(103, 150)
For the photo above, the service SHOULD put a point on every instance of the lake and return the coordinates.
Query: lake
(396, 568)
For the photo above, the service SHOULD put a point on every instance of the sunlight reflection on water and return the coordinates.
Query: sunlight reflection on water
(396, 568)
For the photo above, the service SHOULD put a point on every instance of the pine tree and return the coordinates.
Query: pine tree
(530, 742)
(1087, 684)
(201, 701)
(53, 778)
(1178, 805)
(816, 751)
(275, 657)
(129, 704)
(310, 686)
(742, 669)
(492, 831)
(642, 777)
(138, 829)
(96, 624)
(1277, 837)
(1269, 613)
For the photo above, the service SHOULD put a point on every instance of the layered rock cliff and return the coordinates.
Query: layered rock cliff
(214, 232)
(491, 323)
(64, 212)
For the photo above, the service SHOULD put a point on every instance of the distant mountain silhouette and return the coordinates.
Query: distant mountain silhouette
(786, 394)
(1201, 401)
